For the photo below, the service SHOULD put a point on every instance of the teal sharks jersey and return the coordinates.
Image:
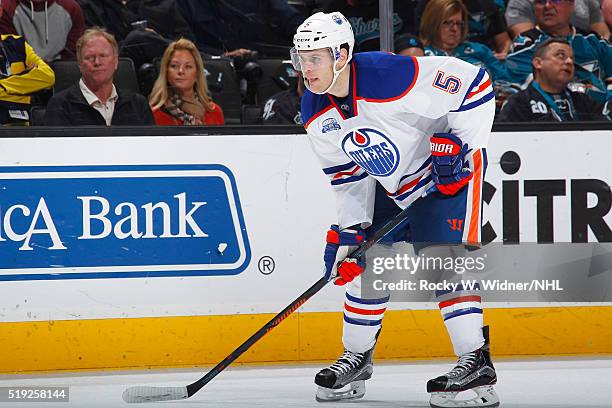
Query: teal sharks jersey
(593, 61)
(476, 54)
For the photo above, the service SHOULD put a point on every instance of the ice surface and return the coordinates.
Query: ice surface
(547, 383)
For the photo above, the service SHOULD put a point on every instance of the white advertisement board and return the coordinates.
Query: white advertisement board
(110, 227)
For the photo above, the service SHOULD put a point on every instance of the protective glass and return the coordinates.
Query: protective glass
(311, 59)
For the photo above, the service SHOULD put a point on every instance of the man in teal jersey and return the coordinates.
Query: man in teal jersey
(593, 55)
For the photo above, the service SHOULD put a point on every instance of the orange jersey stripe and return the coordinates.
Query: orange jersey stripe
(473, 234)
(346, 173)
(480, 88)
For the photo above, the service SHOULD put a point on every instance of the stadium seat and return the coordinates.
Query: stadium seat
(251, 115)
(278, 75)
(67, 73)
(223, 86)
(37, 116)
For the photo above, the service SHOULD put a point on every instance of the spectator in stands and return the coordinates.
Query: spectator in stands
(409, 45)
(180, 95)
(593, 55)
(444, 32)
(233, 27)
(548, 98)
(22, 73)
(486, 24)
(51, 27)
(586, 16)
(364, 18)
(283, 108)
(94, 100)
(606, 11)
(144, 28)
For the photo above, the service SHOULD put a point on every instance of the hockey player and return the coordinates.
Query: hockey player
(419, 127)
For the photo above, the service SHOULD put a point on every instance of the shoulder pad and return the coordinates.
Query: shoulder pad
(382, 76)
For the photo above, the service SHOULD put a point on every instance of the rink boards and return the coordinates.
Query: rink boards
(170, 251)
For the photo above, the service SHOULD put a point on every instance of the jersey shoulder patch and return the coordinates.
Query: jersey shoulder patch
(382, 77)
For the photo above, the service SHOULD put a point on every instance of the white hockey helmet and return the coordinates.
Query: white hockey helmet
(324, 30)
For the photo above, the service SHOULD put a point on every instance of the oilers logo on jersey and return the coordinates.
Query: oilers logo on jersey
(371, 150)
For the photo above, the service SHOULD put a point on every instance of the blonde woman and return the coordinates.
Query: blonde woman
(180, 93)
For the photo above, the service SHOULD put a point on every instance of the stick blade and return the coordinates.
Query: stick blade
(140, 394)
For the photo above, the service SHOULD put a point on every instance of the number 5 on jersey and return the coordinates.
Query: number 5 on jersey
(450, 84)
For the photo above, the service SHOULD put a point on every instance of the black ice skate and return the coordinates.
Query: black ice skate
(351, 369)
(474, 371)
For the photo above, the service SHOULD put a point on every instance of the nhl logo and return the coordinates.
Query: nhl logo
(372, 151)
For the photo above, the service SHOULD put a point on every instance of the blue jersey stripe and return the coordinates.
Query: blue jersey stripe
(485, 161)
(474, 84)
(349, 179)
(425, 164)
(340, 167)
(362, 322)
(367, 301)
(419, 185)
(477, 103)
(462, 312)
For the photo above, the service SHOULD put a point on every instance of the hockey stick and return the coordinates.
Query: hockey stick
(150, 393)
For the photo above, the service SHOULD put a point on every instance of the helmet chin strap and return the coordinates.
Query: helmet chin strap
(336, 74)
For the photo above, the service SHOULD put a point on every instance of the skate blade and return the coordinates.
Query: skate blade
(356, 390)
(485, 397)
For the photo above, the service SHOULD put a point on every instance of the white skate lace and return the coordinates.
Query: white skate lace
(346, 362)
(464, 364)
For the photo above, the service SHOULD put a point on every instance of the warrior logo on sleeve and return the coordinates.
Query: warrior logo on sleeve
(372, 151)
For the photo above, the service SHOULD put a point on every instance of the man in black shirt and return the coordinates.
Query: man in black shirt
(551, 96)
(95, 100)
(283, 108)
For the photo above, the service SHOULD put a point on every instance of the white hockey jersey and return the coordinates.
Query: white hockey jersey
(381, 130)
